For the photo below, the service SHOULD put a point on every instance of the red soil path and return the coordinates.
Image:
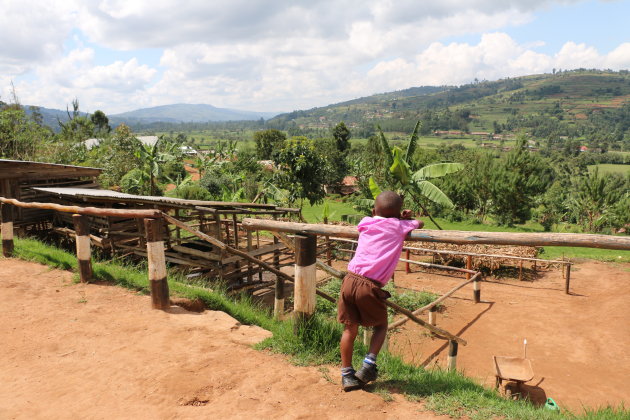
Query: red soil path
(75, 351)
(579, 344)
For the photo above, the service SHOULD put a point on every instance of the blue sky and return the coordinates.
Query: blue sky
(119, 55)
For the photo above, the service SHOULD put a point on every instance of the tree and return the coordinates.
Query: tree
(400, 173)
(342, 135)
(301, 171)
(101, 122)
(152, 158)
(267, 141)
(116, 155)
(518, 179)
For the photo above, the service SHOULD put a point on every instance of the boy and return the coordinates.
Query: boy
(361, 298)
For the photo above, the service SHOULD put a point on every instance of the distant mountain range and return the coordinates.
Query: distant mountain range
(176, 113)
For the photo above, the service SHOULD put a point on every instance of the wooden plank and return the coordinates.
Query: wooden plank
(94, 211)
(455, 236)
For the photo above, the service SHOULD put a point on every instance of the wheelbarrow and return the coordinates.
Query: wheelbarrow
(513, 369)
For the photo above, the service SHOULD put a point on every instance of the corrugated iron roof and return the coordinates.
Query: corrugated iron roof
(59, 165)
(123, 197)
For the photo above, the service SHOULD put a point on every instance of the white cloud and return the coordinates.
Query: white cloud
(263, 55)
(496, 56)
(75, 76)
(31, 32)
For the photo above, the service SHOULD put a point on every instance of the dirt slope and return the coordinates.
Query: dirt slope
(96, 351)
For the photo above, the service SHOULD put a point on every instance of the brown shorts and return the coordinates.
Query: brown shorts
(361, 301)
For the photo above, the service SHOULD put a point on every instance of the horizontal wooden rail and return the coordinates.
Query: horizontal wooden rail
(455, 236)
(474, 254)
(90, 211)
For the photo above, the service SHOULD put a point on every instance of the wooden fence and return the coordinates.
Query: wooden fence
(304, 246)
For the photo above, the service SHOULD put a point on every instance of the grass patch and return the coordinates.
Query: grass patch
(317, 342)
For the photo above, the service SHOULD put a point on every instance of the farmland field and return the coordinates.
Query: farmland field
(610, 168)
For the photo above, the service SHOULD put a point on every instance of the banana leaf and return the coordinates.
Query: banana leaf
(437, 170)
(374, 188)
(433, 193)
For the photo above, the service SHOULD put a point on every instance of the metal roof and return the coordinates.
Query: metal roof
(108, 195)
(59, 165)
(41, 170)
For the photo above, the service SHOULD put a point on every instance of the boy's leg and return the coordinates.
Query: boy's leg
(347, 344)
(348, 381)
(368, 371)
(379, 333)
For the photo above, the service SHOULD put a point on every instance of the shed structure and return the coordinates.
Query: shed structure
(18, 178)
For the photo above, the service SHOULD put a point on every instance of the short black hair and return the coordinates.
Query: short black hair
(388, 204)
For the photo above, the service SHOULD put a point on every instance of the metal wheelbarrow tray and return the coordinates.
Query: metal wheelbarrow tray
(516, 369)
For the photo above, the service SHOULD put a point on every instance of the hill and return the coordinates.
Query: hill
(50, 117)
(178, 113)
(568, 96)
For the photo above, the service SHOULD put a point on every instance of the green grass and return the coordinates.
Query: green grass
(317, 342)
(336, 208)
(610, 168)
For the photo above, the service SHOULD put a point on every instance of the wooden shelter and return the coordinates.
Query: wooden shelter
(221, 220)
(18, 178)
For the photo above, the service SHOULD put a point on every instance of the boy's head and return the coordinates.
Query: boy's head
(387, 204)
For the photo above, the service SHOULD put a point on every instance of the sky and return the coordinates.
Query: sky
(284, 55)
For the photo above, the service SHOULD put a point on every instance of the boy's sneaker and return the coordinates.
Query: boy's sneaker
(367, 373)
(350, 382)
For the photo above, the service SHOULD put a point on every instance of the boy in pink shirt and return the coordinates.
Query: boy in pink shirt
(361, 298)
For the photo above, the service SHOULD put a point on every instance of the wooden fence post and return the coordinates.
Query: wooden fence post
(7, 230)
(82, 239)
(433, 315)
(157, 264)
(477, 290)
(407, 269)
(250, 266)
(278, 304)
(305, 276)
(568, 279)
(452, 355)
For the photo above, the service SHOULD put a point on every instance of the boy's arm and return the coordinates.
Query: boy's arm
(408, 215)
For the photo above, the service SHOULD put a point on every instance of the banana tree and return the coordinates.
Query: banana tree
(415, 183)
(152, 158)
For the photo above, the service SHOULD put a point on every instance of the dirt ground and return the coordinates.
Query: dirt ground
(578, 343)
(74, 351)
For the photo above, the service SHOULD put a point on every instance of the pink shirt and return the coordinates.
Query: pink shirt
(380, 242)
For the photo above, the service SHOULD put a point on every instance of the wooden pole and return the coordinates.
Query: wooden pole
(520, 270)
(250, 248)
(91, 211)
(437, 331)
(408, 255)
(260, 272)
(278, 304)
(240, 253)
(305, 276)
(157, 264)
(7, 230)
(84, 254)
(433, 315)
(455, 236)
(477, 289)
(432, 304)
(468, 266)
(568, 279)
(452, 355)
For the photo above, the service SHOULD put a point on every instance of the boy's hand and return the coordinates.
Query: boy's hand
(406, 214)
